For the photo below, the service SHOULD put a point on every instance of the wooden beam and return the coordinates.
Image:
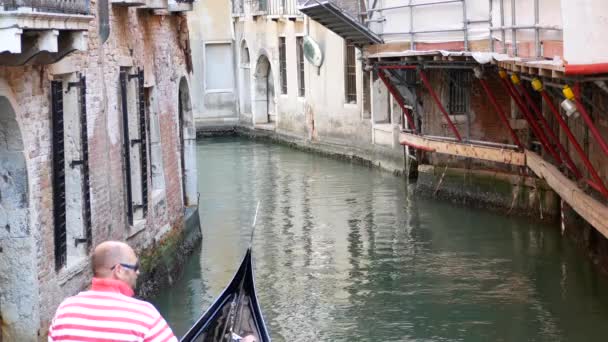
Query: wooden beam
(590, 209)
(494, 154)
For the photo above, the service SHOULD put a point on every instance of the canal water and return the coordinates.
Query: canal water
(343, 252)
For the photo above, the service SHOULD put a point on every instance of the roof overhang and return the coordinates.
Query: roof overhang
(340, 22)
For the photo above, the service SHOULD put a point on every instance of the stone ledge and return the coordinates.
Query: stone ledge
(27, 19)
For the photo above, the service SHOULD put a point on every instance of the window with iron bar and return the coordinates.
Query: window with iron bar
(300, 52)
(283, 65)
(70, 167)
(135, 147)
(350, 75)
(459, 91)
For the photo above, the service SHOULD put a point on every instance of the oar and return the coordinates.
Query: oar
(255, 218)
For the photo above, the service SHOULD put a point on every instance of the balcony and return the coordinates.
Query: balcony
(180, 5)
(273, 9)
(42, 31)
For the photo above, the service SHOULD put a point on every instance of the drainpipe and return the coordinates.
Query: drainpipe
(598, 184)
(426, 82)
(516, 81)
(537, 45)
(491, 2)
(514, 31)
(502, 25)
(533, 124)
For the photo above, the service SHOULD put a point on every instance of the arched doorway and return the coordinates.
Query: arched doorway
(17, 302)
(264, 110)
(187, 134)
(245, 80)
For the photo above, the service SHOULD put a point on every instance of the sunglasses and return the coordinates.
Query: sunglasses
(135, 267)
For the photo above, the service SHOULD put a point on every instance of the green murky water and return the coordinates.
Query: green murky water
(346, 253)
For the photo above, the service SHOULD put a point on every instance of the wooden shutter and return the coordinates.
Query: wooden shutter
(58, 153)
(143, 142)
(126, 143)
(84, 141)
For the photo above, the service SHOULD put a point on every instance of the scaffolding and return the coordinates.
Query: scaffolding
(374, 14)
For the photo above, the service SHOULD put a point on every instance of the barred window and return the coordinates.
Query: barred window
(135, 150)
(283, 65)
(70, 165)
(300, 51)
(460, 81)
(350, 78)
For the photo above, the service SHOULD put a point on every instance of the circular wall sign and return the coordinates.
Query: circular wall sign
(313, 52)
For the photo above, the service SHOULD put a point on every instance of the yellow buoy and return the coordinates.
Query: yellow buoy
(515, 79)
(537, 84)
(568, 93)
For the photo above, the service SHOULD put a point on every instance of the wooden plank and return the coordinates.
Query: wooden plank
(590, 209)
(494, 154)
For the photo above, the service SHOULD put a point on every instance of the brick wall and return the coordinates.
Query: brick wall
(150, 41)
(485, 123)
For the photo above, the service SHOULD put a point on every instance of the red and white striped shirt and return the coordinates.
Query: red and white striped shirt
(108, 313)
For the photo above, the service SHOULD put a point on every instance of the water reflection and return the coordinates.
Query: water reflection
(343, 252)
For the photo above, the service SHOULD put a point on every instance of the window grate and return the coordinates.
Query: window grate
(350, 75)
(460, 82)
(59, 205)
(283, 65)
(144, 142)
(86, 188)
(300, 52)
(126, 143)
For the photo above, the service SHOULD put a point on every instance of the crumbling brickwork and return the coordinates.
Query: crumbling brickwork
(138, 39)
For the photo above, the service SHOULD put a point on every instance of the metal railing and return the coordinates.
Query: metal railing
(238, 7)
(376, 9)
(51, 6)
(266, 7)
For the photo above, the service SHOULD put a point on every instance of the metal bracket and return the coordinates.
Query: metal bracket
(135, 141)
(78, 241)
(71, 85)
(75, 163)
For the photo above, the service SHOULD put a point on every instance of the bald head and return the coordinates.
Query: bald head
(108, 254)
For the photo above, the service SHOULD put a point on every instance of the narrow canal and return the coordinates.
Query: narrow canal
(347, 253)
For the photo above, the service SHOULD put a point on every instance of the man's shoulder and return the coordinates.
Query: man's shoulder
(110, 298)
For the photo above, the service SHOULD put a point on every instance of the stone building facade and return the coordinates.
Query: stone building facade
(98, 143)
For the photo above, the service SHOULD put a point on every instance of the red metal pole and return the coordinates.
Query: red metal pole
(531, 121)
(550, 132)
(426, 82)
(598, 136)
(411, 67)
(397, 97)
(501, 113)
(598, 184)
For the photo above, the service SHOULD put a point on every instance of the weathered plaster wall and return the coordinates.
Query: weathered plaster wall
(138, 39)
(321, 117)
(209, 23)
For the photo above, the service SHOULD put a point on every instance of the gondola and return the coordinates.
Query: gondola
(235, 314)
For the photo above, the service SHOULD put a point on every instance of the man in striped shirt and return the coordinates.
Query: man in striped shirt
(107, 312)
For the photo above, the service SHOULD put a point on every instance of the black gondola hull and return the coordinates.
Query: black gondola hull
(236, 312)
